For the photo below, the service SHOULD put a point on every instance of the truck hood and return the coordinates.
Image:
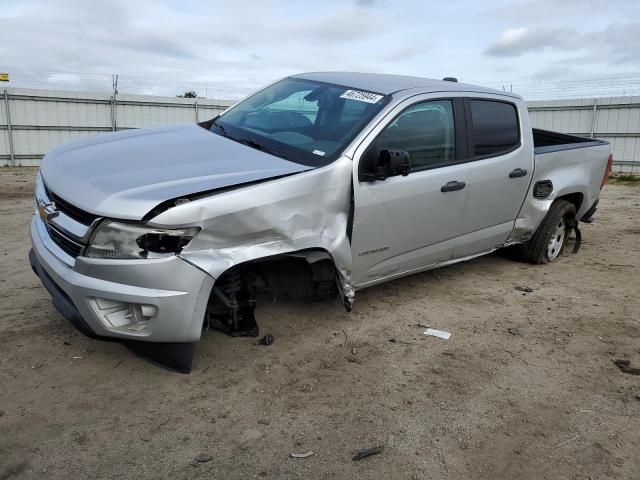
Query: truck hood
(126, 174)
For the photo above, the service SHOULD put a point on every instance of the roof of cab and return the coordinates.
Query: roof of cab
(389, 84)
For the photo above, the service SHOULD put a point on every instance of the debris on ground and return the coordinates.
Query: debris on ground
(203, 458)
(514, 331)
(583, 434)
(302, 455)
(524, 289)
(437, 333)
(367, 452)
(266, 340)
(263, 421)
(354, 359)
(625, 366)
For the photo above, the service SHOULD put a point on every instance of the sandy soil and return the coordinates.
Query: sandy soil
(525, 388)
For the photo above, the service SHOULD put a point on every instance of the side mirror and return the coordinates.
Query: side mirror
(389, 163)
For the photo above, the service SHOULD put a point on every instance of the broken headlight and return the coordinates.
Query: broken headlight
(130, 240)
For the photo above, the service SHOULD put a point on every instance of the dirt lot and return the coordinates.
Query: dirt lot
(524, 388)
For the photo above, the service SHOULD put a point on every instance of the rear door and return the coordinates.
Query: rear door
(405, 223)
(500, 170)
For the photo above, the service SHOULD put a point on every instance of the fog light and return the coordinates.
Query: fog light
(148, 311)
(117, 314)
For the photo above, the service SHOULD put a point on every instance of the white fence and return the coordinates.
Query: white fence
(34, 121)
(615, 119)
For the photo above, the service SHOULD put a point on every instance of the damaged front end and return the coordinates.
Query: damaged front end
(284, 238)
(202, 260)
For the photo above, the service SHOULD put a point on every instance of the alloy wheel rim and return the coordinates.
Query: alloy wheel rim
(556, 241)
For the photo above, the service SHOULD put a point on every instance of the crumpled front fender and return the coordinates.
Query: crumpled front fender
(309, 210)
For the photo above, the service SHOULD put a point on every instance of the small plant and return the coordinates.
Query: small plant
(624, 178)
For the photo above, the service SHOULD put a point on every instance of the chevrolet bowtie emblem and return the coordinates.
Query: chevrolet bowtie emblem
(47, 211)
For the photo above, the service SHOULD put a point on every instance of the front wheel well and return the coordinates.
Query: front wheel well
(290, 271)
(305, 275)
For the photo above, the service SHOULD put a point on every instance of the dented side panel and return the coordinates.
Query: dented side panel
(577, 171)
(309, 210)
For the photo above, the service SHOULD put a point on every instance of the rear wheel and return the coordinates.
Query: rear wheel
(548, 242)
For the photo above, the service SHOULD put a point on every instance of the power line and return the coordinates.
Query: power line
(147, 84)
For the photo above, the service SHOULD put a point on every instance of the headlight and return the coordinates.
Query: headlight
(129, 240)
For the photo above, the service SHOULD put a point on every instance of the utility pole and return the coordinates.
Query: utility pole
(114, 85)
(12, 156)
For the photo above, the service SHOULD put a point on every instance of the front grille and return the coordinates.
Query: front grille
(70, 210)
(70, 247)
(66, 225)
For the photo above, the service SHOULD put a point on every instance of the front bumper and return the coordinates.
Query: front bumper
(151, 300)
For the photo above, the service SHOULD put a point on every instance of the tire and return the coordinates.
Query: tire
(547, 244)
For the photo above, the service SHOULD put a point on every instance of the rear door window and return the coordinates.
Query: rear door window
(495, 128)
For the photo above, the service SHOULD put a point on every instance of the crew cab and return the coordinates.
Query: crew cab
(316, 186)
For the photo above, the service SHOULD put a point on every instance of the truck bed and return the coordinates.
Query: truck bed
(546, 141)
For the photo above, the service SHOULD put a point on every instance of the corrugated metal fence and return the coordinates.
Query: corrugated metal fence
(34, 121)
(615, 119)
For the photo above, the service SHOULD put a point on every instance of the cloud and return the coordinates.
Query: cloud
(616, 44)
(407, 52)
(560, 71)
(621, 42)
(232, 48)
(517, 41)
(337, 27)
(544, 11)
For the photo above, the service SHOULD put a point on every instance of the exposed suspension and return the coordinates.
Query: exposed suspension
(236, 315)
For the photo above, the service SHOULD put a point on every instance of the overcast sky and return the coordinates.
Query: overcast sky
(237, 46)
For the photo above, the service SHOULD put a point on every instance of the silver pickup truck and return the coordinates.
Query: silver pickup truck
(316, 186)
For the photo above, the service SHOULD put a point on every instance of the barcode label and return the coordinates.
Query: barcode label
(361, 96)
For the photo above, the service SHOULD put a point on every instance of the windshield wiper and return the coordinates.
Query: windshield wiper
(251, 142)
(219, 125)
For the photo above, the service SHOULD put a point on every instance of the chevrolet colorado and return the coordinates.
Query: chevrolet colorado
(318, 185)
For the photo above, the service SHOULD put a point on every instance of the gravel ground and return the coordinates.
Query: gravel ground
(525, 388)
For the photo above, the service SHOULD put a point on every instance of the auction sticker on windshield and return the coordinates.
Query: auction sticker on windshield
(361, 96)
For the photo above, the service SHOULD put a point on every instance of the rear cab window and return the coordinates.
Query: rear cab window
(495, 129)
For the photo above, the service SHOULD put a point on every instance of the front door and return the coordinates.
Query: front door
(405, 223)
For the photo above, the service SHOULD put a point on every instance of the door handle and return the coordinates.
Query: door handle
(518, 172)
(452, 186)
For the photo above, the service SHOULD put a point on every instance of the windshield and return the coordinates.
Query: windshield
(303, 121)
